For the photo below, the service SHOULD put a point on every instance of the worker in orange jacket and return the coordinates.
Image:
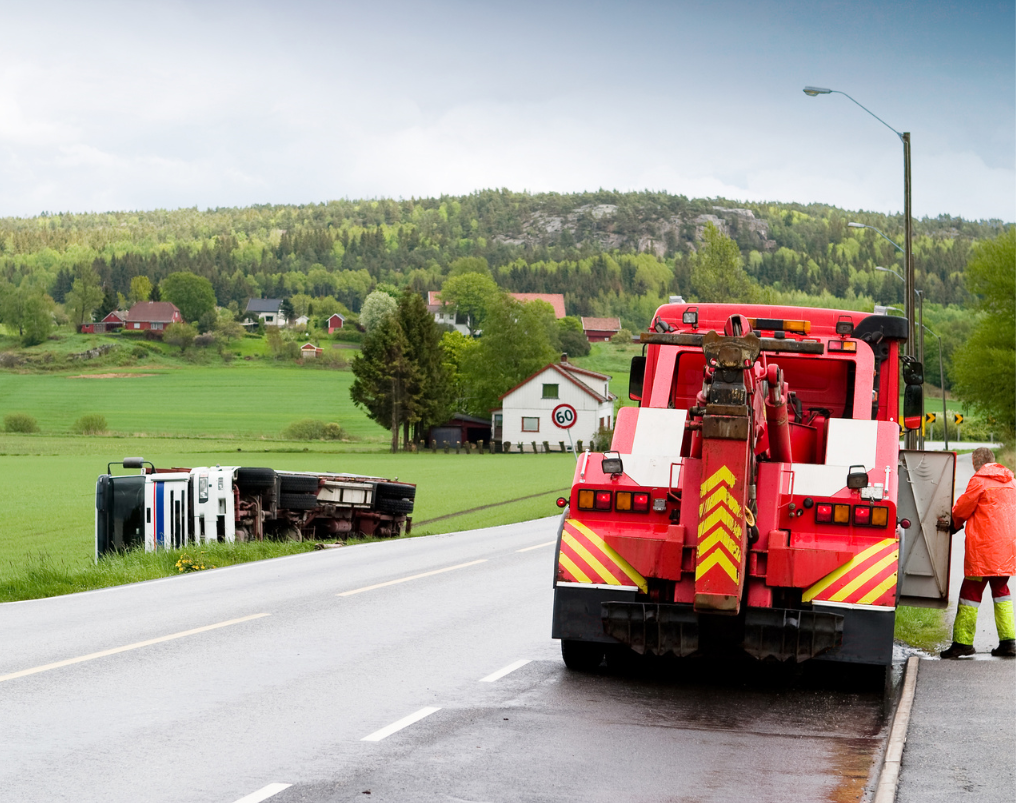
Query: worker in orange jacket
(987, 511)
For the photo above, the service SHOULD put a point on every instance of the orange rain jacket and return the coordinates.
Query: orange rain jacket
(988, 509)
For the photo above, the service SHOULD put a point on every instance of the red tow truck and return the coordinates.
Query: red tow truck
(757, 499)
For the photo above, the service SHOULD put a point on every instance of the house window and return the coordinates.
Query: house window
(550, 392)
(269, 319)
(530, 424)
(137, 326)
(156, 325)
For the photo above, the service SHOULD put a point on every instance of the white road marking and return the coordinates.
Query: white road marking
(138, 645)
(265, 793)
(507, 670)
(405, 722)
(538, 546)
(411, 577)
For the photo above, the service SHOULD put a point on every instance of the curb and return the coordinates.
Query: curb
(890, 775)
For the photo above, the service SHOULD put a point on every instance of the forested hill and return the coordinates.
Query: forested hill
(608, 252)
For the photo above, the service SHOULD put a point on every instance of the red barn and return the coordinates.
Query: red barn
(599, 330)
(154, 315)
(111, 323)
(335, 322)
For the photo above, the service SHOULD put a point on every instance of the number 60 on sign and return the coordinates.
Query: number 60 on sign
(564, 416)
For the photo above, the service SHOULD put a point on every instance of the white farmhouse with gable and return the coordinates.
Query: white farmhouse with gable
(526, 410)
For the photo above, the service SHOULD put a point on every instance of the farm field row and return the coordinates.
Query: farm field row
(237, 400)
(48, 501)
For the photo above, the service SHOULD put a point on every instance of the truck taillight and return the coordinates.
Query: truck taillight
(603, 500)
(586, 500)
(823, 514)
(841, 514)
(879, 516)
(862, 514)
(626, 502)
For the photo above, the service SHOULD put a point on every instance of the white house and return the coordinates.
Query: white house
(527, 410)
(268, 310)
(445, 313)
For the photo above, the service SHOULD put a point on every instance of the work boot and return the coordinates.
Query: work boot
(957, 650)
(1005, 649)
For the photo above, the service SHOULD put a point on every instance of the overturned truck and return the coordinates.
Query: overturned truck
(757, 499)
(170, 508)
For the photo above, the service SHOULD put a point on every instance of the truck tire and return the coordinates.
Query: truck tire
(397, 507)
(298, 485)
(255, 479)
(394, 490)
(297, 501)
(582, 656)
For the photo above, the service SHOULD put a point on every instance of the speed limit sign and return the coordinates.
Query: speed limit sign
(564, 416)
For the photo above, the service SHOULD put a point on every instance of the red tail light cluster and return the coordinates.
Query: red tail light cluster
(622, 501)
(863, 515)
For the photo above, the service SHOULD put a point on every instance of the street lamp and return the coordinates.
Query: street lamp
(908, 254)
(941, 380)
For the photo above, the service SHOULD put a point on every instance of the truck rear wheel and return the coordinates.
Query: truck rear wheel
(297, 501)
(582, 656)
(298, 484)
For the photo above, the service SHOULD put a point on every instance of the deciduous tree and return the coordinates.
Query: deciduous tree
(192, 294)
(718, 274)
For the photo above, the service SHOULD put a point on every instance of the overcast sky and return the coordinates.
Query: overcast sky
(110, 106)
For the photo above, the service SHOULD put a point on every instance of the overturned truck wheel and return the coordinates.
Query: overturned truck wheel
(297, 501)
(255, 479)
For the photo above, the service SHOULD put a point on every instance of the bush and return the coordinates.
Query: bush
(310, 429)
(205, 340)
(90, 424)
(601, 440)
(140, 352)
(20, 422)
(348, 334)
(622, 336)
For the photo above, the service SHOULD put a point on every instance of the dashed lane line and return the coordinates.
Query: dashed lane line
(538, 546)
(507, 670)
(411, 577)
(405, 722)
(264, 793)
(92, 656)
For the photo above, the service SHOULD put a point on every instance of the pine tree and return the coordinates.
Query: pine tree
(430, 393)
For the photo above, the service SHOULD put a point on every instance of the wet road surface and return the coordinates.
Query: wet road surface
(415, 670)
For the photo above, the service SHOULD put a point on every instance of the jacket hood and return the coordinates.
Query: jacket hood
(995, 471)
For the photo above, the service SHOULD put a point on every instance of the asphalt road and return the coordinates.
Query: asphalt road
(229, 685)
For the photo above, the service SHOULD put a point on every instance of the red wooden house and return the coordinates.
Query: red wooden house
(599, 330)
(111, 323)
(154, 315)
(335, 322)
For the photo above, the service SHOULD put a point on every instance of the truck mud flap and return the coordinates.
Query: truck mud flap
(652, 628)
(789, 635)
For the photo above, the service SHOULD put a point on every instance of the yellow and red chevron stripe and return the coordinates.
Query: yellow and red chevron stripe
(869, 578)
(719, 532)
(586, 558)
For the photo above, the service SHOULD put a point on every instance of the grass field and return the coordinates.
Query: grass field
(237, 400)
(48, 503)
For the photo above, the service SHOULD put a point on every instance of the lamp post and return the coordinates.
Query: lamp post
(920, 320)
(941, 379)
(908, 256)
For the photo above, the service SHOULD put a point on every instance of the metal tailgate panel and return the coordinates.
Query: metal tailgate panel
(925, 493)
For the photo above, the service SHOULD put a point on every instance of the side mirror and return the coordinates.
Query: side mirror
(612, 464)
(636, 378)
(857, 477)
(913, 372)
(913, 406)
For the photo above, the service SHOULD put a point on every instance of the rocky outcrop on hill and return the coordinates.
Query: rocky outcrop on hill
(603, 226)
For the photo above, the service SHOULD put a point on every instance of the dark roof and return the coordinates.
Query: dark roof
(338, 315)
(263, 305)
(152, 312)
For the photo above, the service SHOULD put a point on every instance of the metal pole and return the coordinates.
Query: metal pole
(910, 440)
(920, 353)
(941, 379)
